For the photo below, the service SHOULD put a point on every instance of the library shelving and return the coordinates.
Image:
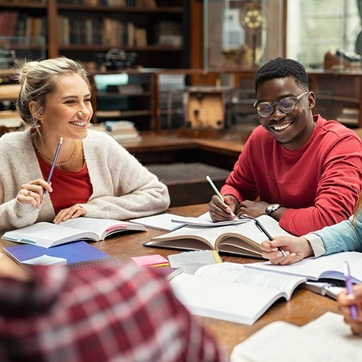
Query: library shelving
(85, 29)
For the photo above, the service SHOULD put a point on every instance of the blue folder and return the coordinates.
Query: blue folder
(75, 253)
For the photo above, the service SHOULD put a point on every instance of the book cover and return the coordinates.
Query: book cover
(76, 253)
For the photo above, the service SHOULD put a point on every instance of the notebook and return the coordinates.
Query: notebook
(73, 254)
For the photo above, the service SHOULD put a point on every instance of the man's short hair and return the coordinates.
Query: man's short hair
(281, 68)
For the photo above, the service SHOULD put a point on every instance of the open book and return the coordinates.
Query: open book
(328, 267)
(230, 292)
(240, 239)
(47, 234)
(327, 338)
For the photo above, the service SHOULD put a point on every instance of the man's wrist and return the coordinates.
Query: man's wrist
(270, 209)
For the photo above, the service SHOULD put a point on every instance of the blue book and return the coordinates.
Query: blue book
(72, 254)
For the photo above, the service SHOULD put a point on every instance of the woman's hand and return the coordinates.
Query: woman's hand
(345, 301)
(296, 249)
(33, 193)
(70, 213)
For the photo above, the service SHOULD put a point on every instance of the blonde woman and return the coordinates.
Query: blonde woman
(94, 176)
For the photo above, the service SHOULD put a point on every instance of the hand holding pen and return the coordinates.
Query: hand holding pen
(349, 286)
(226, 208)
(54, 162)
(34, 191)
(264, 231)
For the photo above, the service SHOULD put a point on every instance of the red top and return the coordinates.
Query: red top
(69, 188)
(319, 183)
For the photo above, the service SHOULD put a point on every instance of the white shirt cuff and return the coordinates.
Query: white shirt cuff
(316, 243)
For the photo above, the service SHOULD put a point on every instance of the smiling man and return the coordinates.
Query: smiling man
(297, 167)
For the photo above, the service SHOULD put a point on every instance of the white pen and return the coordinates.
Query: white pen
(217, 192)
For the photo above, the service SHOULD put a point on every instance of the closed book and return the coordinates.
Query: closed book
(72, 254)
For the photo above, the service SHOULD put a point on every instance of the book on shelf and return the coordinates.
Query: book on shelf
(78, 253)
(326, 338)
(240, 239)
(230, 292)
(47, 234)
(330, 267)
(114, 126)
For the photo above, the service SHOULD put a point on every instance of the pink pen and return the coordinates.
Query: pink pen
(349, 286)
(54, 161)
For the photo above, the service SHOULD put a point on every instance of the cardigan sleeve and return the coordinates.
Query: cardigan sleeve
(122, 187)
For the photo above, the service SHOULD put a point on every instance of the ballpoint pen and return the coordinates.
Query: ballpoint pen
(263, 230)
(349, 286)
(217, 192)
(54, 161)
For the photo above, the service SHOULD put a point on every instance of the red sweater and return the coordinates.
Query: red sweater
(319, 184)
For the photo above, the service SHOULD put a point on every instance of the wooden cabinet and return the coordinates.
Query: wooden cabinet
(338, 96)
(80, 29)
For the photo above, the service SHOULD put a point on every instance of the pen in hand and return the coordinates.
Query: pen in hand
(217, 192)
(349, 286)
(263, 230)
(54, 161)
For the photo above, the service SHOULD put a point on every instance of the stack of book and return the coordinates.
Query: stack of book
(168, 33)
(122, 131)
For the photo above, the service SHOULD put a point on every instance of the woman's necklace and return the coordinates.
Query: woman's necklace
(59, 164)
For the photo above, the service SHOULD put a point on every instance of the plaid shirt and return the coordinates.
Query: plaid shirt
(122, 313)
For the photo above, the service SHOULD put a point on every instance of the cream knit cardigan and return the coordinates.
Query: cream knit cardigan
(122, 187)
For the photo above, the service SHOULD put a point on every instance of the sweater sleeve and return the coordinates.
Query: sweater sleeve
(344, 236)
(337, 192)
(122, 187)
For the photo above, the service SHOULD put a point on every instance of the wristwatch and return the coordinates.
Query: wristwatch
(271, 208)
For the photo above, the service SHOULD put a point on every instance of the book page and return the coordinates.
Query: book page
(329, 266)
(223, 300)
(101, 227)
(46, 234)
(236, 273)
(230, 292)
(220, 235)
(206, 221)
(161, 221)
(325, 339)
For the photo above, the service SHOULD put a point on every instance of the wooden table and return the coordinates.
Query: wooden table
(304, 306)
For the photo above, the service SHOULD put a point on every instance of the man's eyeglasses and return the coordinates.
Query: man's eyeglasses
(285, 105)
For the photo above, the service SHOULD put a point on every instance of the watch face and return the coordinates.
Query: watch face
(271, 208)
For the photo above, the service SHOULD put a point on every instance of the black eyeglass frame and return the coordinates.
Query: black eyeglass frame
(273, 104)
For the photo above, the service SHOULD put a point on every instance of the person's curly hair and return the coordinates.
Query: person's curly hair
(282, 68)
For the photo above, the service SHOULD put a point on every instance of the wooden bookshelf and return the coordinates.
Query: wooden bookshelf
(81, 28)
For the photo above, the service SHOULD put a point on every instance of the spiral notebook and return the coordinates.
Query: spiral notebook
(73, 254)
